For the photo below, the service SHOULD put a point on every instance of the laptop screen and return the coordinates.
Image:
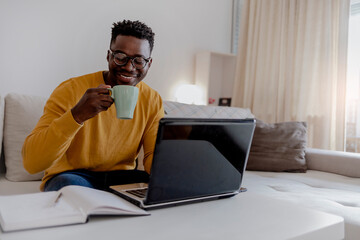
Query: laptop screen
(199, 157)
(231, 140)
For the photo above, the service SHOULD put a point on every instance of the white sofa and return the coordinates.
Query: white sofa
(331, 183)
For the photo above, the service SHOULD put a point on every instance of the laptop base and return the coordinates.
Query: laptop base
(140, 203)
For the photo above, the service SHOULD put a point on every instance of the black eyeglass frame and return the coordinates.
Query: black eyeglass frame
(129, 58)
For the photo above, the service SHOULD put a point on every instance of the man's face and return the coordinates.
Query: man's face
(127, 74)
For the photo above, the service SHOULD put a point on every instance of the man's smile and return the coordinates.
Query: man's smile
(125, 77)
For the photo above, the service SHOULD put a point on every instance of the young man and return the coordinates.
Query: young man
(79, 140)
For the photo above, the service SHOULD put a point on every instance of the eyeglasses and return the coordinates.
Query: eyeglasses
(122, 59)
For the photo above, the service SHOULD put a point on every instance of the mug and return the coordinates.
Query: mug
(125, 98)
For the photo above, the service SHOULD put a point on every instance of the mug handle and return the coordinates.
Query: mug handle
(111, 91)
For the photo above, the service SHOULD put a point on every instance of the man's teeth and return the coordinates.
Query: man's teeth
(126, 77)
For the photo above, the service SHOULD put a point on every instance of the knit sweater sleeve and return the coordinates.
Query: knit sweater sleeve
(53, 133)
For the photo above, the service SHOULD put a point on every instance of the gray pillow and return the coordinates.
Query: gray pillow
(278, 147)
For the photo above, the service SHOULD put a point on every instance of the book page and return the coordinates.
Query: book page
(37, 210)
(98, 202)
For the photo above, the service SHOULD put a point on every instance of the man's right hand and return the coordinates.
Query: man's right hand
(94, 101)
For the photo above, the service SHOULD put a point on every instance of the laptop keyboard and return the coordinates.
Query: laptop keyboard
(141, 193)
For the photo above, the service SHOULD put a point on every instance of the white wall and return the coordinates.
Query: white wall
(44, 42)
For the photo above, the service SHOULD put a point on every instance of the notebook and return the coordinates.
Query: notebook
(194, 160)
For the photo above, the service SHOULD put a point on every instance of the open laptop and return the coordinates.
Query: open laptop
(194, 160)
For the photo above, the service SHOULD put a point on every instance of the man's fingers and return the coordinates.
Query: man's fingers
(106, 98)
(104, 86)
(104, 107)
(99, 91)
(104, 89)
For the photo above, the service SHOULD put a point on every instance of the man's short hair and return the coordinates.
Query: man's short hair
(133, 28)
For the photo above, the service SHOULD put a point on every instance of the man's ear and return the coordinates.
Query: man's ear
(108, 56)
(150, 62)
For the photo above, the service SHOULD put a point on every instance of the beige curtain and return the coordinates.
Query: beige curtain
(291, 65)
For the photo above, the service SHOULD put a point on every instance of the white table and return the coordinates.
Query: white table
(245, 216)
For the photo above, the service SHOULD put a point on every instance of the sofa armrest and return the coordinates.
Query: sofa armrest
(343, 163)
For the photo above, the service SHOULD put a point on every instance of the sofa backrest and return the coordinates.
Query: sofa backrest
(19, 114)
(175, 109)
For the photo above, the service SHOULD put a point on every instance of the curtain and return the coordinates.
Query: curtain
(353, 81)
(291, 65)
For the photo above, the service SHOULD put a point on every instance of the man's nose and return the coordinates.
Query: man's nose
(129, 66)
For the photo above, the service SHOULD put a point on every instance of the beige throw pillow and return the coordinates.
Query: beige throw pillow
(278, 147)
(22, 112)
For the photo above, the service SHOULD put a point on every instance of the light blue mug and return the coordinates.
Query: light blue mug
(125, 98)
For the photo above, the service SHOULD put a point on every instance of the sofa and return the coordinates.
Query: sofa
(326, 181)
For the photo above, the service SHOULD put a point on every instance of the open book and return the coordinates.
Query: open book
(70, 205)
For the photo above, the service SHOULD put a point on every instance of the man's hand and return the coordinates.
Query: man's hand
(94, 101)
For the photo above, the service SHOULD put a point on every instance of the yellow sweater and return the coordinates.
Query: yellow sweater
(103, 143)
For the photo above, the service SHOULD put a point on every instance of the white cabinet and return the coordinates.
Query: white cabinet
(214, 74)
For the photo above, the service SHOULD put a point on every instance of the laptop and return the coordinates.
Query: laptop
(194, 160)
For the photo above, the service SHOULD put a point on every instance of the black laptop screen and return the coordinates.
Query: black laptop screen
(198, 157)
(231, 138)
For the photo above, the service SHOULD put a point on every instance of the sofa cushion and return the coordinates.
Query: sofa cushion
(278, 147)
(22, 112)
(11, 188)
(182, 110)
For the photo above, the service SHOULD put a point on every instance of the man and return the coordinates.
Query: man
(79, 140)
